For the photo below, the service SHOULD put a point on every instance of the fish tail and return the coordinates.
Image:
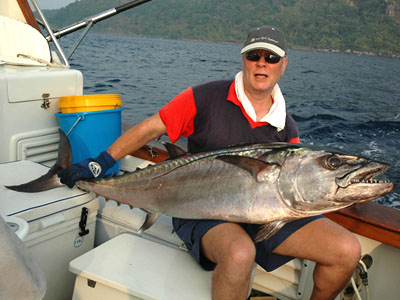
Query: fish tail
(50, 180)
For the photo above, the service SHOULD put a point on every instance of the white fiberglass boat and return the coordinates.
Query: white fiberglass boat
(92, 249)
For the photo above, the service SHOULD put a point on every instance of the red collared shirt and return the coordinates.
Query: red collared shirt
(178, 115)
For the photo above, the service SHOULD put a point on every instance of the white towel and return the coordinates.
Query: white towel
(277, 113)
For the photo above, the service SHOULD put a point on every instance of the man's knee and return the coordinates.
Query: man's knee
(344, 252)
(228, 244)
(349, 250)
(242, 253)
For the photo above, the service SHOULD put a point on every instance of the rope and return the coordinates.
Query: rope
(42, 61)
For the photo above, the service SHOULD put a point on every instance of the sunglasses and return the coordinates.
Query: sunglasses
(269, 58)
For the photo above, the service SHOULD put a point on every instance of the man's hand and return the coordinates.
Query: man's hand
(87, 169)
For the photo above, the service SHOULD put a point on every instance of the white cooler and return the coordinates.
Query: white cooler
(54, 219)
(130, 264)
(133, 267)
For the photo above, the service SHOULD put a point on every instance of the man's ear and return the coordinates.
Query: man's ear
(284, 64)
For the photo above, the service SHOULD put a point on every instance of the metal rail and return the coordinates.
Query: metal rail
(97, 18)
(46, 25)
(89, 22)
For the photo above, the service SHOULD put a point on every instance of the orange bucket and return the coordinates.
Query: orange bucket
(85, 103)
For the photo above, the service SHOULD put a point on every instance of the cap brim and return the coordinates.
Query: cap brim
(265, 46)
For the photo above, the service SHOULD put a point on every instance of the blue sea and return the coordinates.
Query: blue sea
(345, 101)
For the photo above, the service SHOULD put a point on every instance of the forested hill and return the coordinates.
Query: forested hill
(369, 26)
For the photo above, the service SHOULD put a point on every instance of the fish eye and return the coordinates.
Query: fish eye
(333, 162)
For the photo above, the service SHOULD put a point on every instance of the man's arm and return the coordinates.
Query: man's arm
(130, 141)
(138, 136)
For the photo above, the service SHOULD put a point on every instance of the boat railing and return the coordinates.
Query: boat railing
(87, 23)
(51, 33)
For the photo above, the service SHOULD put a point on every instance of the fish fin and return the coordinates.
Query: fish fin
(174, 150)
(64, 159)
(151, 218)
(268, 230)
(260, 170)
(50, 180)
(43, 183)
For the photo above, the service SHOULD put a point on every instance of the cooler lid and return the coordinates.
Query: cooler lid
(155, 271)
(38, 81)
(34, 206)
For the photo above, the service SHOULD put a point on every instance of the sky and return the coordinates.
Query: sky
(53, 4)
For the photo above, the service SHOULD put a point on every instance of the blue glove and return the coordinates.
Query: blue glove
(87, 169)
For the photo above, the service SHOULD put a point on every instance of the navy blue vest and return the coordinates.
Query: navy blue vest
(219, 123)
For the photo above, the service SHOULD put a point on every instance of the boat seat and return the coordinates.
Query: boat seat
(286, 282)
(20, 38)
(133, 267)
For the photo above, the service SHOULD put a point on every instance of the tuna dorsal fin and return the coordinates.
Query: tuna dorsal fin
(268, 230)
(260, 170)
(174, 150)
(151, 218)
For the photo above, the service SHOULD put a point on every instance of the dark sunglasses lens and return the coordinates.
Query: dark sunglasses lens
(269, 58)
(272, 59)
(253, 56)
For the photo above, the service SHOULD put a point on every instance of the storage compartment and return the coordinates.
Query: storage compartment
(36, 82)
(54, 218)
(29, 100)
(132, 267)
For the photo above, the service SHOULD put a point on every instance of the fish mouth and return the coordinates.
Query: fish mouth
(364, 175)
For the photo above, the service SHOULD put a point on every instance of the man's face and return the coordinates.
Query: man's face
(260, 77)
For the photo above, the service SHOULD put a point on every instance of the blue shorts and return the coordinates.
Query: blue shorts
(191, 232)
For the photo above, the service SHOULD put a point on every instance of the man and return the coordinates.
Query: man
(217, 114)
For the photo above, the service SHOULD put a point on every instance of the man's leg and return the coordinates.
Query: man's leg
(335, 250)
(233, 251)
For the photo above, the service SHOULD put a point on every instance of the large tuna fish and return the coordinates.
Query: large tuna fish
(267, 184)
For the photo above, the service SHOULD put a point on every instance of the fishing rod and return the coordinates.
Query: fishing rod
(89, 22)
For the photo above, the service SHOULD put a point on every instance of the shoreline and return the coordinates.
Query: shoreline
(348, 51)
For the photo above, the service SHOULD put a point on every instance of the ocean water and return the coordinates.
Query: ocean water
(344, 101)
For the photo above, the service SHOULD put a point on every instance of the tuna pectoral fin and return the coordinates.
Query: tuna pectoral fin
(260, 170)
(151, 218)
(50, 180)
(268, 230)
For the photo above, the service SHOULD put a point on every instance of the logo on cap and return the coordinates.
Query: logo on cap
(263, 38)
(95, 168)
